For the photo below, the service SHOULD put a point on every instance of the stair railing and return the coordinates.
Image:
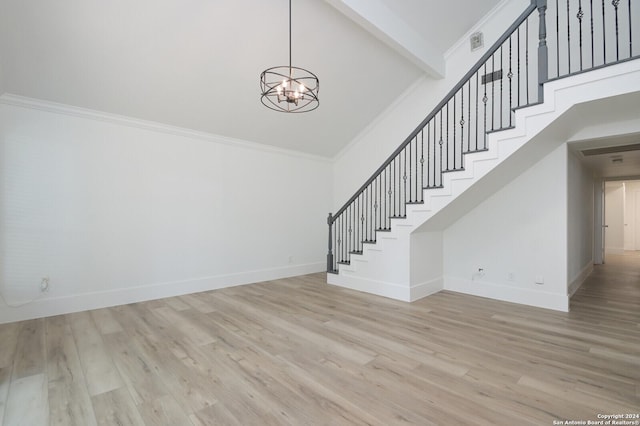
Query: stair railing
(510, 75)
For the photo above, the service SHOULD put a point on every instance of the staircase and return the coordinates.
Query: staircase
(481, 134)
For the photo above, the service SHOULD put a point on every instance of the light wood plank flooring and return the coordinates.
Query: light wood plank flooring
(299, 352)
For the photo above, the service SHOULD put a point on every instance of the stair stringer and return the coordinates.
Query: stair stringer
(395, 265)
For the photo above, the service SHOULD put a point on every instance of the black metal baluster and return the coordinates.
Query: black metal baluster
(484, 101)
(568, 40)
(630, 38)
(593, 56)
(477, 91)
(368, 212)
(493, 90)
(376, 208)
(526, 66)
(404, 178)
(363, 218)
(510, 76)
(338, 229)
(615, 6)
(447, 140)
(411, 171)
(453, 125)
(358, 224)
(348, 233)
(469, 115)
(373, 195)
(557, 38)
(395, 186)
(391, 203)
(441, 142)
(580, 15)
(519, 85)
(518, 68)
(435, 155)
(462, 124)
(360, 234)
(339, 238)
(604, 41)
(384, 217)
(354, 224)
(421, 187)
(501, 81)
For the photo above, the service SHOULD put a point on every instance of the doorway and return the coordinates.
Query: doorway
(621, 217)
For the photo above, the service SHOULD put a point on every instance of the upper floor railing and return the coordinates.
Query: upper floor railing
(547, 41)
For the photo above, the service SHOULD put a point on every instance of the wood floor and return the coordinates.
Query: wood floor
(300, 352)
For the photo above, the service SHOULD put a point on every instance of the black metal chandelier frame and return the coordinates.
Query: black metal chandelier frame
(289, 88)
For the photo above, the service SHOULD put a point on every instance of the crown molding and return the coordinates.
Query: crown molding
(90, 114)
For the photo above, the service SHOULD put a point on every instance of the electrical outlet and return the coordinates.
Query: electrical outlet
(511, 276)
(44, 284)
(478, 274)
(290, 258)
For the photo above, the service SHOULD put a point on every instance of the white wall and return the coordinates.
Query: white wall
(580, 222)
(367, 151)
(517, 236)
(114, 213)
(614, 217)
(632, 215)
(598, 220)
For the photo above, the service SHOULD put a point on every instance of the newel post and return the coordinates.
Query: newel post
(330, 253)
(543, 52)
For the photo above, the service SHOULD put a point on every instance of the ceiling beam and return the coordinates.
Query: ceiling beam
(375, 17)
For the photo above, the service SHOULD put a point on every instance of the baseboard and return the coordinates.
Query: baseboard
(524, 296)
(426, 289)
(379, 288)
(103, 299)
(579, 279)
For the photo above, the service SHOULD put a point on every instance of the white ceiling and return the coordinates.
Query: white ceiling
(438, 21)
(196, 63)
(606, 123)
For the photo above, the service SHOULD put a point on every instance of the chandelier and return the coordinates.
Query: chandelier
(289, 88)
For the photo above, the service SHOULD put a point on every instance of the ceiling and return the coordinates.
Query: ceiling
(615, 158)
(605, 130)
(195, 64)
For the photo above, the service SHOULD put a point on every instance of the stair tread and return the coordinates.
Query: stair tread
(453, 170)
(514, 109)
(474, 151)
(500, 130)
